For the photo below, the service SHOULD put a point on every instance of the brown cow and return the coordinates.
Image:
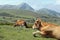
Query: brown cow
(38, 23)
(52, 31)
(46, 29)
(20, 23)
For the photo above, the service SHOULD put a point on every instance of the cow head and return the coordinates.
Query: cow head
(37, 24)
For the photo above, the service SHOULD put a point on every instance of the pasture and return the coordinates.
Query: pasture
(9, 16)
(8, 32)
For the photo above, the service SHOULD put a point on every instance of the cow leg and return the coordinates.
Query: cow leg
(39, 32)
(34, 33)
(42, 32)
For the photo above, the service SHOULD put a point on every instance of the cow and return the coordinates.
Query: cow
(40, 25)
(46, 29)
(20, 22)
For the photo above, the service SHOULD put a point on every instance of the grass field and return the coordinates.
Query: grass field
(9, 16)
(8, 32)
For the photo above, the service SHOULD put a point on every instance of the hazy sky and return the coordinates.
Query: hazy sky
(33, 3)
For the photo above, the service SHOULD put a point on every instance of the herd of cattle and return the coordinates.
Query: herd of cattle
(43, 28)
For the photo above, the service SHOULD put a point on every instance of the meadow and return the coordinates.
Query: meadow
(8, 17)
(8, 32)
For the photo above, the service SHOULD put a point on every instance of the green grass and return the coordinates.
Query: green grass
(8, 32)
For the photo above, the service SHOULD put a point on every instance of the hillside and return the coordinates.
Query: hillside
(18, 12)
(11, 15)
(23, 6)
(48, 12)
(49, 15)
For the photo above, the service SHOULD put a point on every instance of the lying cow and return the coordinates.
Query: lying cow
(20, 23)
(46, 29)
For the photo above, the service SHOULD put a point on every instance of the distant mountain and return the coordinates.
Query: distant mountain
(8, 6)
(48, 12)
(23, 6)
(53, 7)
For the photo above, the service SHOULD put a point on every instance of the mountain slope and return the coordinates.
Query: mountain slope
(53, 7)
(18, 12)
(15, 14)
(48, 12)
(23, 6)
(8, 6)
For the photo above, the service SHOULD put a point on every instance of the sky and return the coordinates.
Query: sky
(36, 4)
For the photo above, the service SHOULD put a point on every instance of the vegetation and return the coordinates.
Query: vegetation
(8, 32)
